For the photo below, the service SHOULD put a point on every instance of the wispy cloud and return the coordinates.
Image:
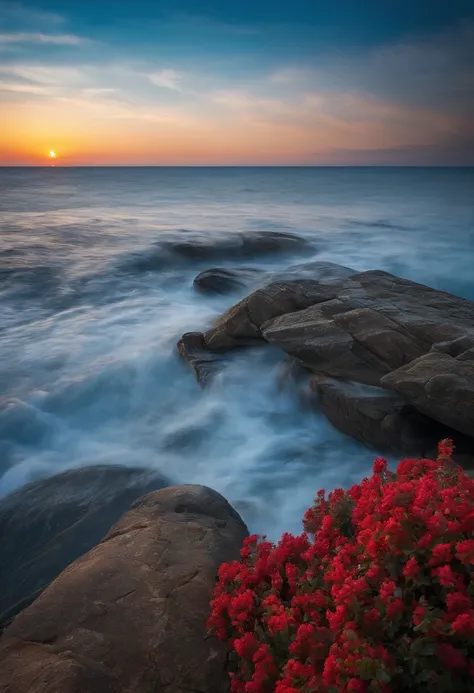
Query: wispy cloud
(168, 79)
(46, 74)
(26, 16)
(34, 37)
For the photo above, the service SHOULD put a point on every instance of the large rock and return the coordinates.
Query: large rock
(360, 328)
(241, 325)
(204, 363)
(242, 245)
(440, 386)
(130, 615)
(46, 525)
(379, 418)
(196, 246)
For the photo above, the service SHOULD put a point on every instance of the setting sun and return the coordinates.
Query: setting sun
(52, 155)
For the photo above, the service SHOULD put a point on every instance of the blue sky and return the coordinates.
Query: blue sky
(301, 82)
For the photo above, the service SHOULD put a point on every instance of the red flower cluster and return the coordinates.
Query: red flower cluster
(380, 600)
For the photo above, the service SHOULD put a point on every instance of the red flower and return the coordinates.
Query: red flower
(411, 569)
(445, 575)
(389, 565)
(356, 685)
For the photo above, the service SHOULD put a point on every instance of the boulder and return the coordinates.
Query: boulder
(183, 246)
(222, 280)
(31, 668)
(370, 328)
(199, 246)
(131, 614)
(47, 524)
(204, 363)
(241, 325)
(440, 386)
(376, 417)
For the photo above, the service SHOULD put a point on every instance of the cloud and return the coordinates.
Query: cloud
(26, 16)
(53, 39)
(46, 74)
(168, 79)
(22, 88)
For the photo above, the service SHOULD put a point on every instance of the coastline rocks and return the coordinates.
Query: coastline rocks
(47, 524)
(204, 363)
(240, 326)
(374, 329)
(183, 246)
(376, 417)
(440, 386)
(130, 615)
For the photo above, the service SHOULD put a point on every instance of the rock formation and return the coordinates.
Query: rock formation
(129, 616)
(371, 329)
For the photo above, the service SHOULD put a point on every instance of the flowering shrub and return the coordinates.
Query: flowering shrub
(380, 600)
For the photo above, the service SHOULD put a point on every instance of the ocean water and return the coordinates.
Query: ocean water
(92, 304)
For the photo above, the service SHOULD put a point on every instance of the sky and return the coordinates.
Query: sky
(247, 82)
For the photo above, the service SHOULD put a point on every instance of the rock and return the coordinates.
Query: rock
(440, 386)
(196, 246)
(360, 328)
(49, 523)
(242, 245)
(326, 273)
(132, 611)
(376, 417)
(30, 668)
(205, 364)
(221, 280)
(240, 326)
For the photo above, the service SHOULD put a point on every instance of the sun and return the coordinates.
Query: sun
(52, 154)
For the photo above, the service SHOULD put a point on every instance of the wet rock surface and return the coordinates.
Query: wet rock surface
(413, 343)
(130, 615)
(47, 524)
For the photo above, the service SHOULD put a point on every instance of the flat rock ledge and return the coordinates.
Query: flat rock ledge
(392, 360)
(129, 616)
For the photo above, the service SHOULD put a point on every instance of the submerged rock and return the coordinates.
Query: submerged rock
(130, 616)
(197, 246)
(47, 524)
(205, 364)
(221, 280)
(225, 280)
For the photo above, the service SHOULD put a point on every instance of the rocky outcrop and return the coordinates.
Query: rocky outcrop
(440, 386)
(129, 616)
(241, 325)
(204, 363)
(375, 330)
(46, 525)
(380, 418)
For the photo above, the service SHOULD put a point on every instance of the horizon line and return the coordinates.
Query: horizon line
(48, 166)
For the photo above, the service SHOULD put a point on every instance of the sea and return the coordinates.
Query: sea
(91, 308)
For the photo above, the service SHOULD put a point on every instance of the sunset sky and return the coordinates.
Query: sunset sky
(247, 82)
